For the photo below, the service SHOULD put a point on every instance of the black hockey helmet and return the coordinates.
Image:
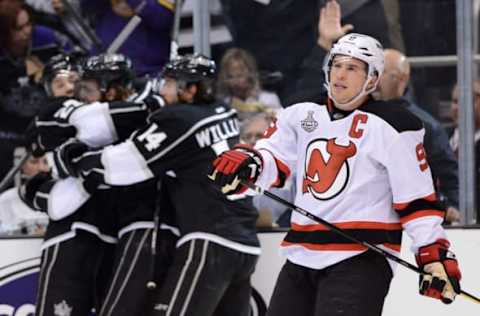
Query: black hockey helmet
(190, 68)
(193, 69)
(108, 69)
(58, 64)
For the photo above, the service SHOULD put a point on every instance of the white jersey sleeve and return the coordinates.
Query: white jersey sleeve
(279, 151)
(94, 124)
(403, 155)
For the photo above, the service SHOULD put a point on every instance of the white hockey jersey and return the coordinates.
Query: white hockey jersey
(364, 171)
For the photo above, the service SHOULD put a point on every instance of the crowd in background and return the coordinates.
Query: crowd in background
(264, 68)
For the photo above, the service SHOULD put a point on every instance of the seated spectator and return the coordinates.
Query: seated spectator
(24, 48)
(271, 213)
(393, 88)
(149, 45)
(15, 216)
(239, 85)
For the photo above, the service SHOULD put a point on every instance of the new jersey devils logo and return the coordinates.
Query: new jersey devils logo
(326, 167)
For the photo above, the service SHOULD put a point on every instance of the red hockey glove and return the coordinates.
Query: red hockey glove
(233, 166)
(442, 280)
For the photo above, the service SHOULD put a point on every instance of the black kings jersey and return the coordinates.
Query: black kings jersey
(182, 141)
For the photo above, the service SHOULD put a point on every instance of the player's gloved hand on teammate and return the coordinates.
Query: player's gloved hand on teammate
(66, 158)
(154, 102)
(34, 142)
(442, 278)
(242, 163)
(28, 190)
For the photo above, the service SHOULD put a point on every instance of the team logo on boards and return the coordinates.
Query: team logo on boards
(326, 167)
(309, 124)
(62, 309)
(18, 284)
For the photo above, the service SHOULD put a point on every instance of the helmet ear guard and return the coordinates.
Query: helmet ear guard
(361, 47)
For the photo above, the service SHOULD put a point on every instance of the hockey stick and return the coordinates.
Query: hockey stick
(152, 284)
(127, 30)
(13, 171)
(175, 29)
(343, 233)
(83, 25)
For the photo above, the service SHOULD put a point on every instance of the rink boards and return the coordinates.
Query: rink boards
(19, 266)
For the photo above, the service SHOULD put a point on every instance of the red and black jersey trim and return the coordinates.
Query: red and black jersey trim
(328, 240)
(427, 206)
(282, 168)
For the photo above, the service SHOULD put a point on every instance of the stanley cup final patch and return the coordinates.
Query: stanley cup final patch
(309, 124)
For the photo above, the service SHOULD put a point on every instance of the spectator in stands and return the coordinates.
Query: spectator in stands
(239, 85)
(66, 20)
(271, 213)
(392, 87)
(455, 139)
(15, 216)
(149, 45)
(293, 50)
(309, 80)
(24, 47)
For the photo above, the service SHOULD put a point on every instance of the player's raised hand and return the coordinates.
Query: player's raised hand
(242, 163)
(442, 280)
(329, 25)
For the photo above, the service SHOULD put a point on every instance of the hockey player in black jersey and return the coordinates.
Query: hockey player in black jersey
(359, 164)
(107, 214)
(218, 248)
(71, 254)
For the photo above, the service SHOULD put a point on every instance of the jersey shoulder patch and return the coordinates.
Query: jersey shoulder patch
(396, 115)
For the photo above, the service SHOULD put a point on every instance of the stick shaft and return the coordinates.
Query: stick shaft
(8, 178)
(345, 234)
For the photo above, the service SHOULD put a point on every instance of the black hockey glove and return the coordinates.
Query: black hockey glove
(76, 159)
(154, 102)
(29, 189)
(442, 280)
(66, 157)
(34, 142)
(243, 163)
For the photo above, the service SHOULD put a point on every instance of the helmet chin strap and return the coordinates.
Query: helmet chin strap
(360, 95)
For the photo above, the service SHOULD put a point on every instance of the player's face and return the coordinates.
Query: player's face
(88, 91)
(347, 78)
(35, 165)
(169, 90)
(63, 85)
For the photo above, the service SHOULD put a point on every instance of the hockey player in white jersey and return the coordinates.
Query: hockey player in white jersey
(360, 165)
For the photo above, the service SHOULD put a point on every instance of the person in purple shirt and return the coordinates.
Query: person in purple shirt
(149, 45)
(24, 48)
